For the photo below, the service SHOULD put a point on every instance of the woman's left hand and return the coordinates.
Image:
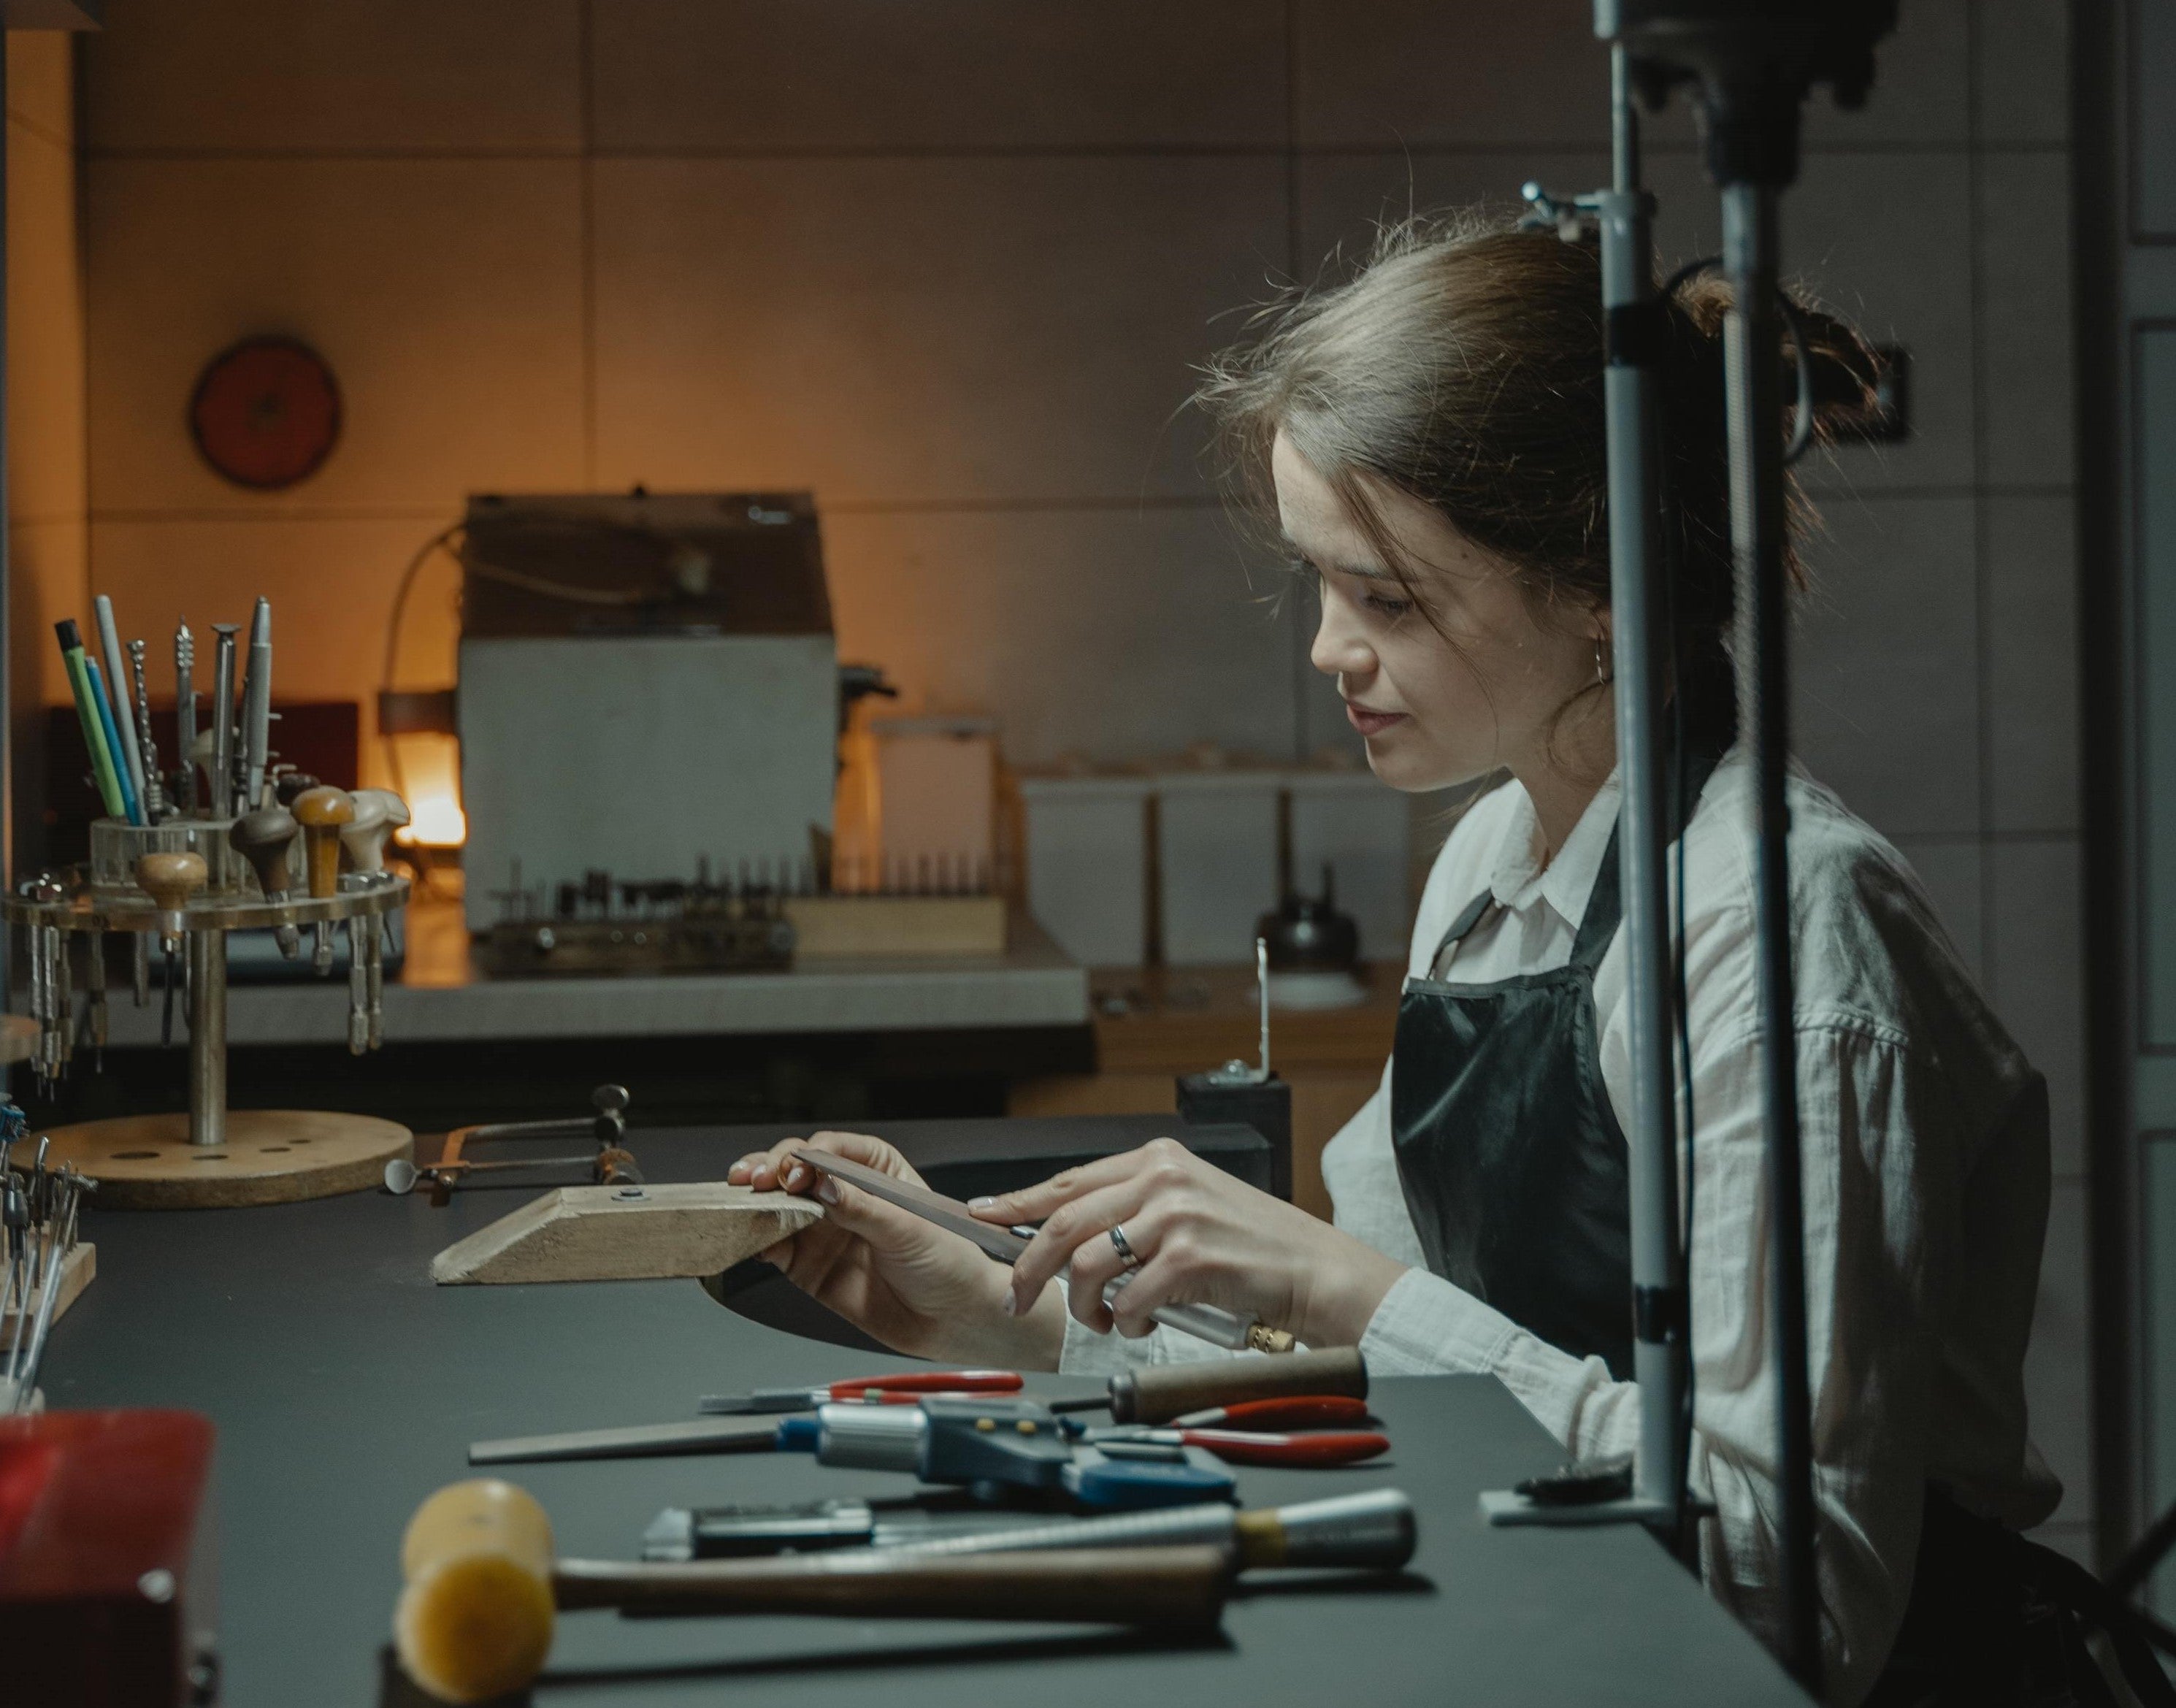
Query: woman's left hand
(1201, 1238)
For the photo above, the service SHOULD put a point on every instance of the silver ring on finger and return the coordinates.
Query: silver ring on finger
(1124, 1247)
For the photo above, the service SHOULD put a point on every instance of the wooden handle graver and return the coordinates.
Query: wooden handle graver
(1165, 1588)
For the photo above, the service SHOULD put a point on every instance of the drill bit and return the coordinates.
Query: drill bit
(185, 715)
(155, 792)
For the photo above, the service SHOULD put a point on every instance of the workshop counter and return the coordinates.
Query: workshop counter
(346, 1388)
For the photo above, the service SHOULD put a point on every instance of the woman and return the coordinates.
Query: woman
(1433, 434)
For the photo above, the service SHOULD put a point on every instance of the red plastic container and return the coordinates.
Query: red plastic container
(105, 1581)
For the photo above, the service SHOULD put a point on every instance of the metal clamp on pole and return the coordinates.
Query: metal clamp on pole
(1636, 334)
(1750, 64)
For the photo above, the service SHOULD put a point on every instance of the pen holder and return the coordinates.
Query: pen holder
(116, 845)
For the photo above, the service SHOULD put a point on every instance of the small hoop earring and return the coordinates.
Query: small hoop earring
(1601, 677)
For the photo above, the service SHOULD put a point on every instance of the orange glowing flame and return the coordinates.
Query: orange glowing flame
(439, 823)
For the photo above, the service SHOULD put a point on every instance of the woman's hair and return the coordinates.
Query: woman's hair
(1463, 366)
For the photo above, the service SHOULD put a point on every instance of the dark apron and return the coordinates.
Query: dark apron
(1510, 1156)
(1514, 1170)
(1512, 1161)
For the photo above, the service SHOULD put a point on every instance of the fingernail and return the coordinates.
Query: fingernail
(981, 1203)
(1009, 1304)
(828, 1189)
(795, 1174)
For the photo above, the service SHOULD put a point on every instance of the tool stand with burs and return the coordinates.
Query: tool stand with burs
(177, 881)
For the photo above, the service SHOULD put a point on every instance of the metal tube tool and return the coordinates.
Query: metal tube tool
(221, 768)
(1374, 1530)
(257, 707)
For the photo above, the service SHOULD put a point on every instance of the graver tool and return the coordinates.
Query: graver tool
(1218, 1327)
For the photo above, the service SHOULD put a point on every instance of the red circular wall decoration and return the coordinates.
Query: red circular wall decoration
(266, 413)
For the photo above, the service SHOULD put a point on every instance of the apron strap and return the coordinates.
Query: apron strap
(1605, 909)
(1462, 927)
(1605, 903)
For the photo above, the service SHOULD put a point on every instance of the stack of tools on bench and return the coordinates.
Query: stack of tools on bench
(1034, 1514)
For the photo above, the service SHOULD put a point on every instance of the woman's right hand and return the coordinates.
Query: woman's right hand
(915, 1287)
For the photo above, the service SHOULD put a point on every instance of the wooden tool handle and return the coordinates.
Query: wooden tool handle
(170, 879)
(1168, 1588)
(1157, 1393)
(321, 812)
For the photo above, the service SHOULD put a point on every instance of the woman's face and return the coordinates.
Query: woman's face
(1439, 702)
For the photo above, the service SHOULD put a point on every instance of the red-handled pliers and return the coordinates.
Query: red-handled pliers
(1293, 1411)
(907, 1388)
(1239, 1447)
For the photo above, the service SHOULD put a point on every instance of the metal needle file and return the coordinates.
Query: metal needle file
(257, 707)
(221, 770)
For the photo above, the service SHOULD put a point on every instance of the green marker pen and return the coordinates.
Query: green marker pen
(94, 727)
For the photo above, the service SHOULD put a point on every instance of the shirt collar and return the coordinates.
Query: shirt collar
(1520, 880)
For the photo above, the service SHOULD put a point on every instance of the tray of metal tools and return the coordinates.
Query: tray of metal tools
(604, 926)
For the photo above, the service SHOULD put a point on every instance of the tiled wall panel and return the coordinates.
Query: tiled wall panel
(284, 78)
(1884, 688)
(834, 76)
(1103, 633)
(919, 331)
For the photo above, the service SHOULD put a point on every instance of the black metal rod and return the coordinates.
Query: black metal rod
(1753, 358)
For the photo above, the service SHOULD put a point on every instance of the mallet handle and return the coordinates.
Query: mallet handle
(1169, 1588)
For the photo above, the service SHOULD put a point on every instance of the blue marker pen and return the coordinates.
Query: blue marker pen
(112, 733)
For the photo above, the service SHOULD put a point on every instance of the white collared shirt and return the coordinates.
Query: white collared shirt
(1925, 1138)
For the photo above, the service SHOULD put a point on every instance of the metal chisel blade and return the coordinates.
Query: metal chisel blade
(645, 1441)
(933, 1207)
(772, 1401)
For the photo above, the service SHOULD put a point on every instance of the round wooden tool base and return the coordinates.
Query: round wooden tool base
(270, 1157)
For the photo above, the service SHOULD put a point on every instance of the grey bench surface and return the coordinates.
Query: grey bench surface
(346, 1388)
